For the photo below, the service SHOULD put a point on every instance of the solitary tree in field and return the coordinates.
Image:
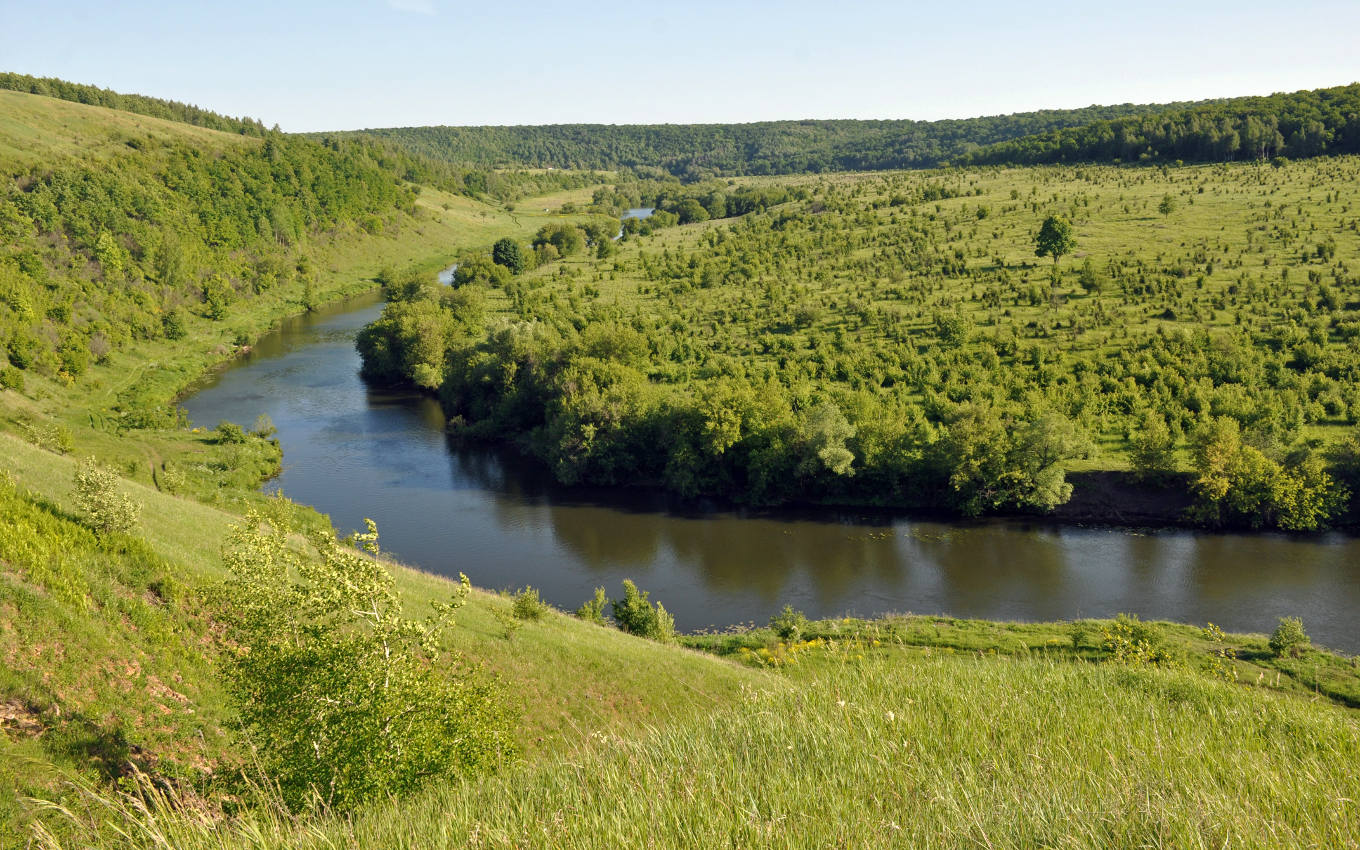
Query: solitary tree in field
(507, 252)
(1055, 238)
(1167, 206)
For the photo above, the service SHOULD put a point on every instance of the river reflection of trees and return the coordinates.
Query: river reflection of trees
(877, 564)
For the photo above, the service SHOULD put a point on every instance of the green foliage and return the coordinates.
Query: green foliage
(992, 464)
(1055, 238)
(1167, 205)
(528, 606)
(344, 698)
(1129, 640)
(1276, 127)
(592, 610)
(104, 506)
(508, 253)
(1289, 638)
(1237, 484)
(11, 379)
(765, 147)
(566, 239)
(788, 623)
(1152, 450)
(176, 227)
(152, 106)
(229, 433)
(635, 614)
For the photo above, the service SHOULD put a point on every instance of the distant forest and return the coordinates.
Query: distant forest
(769, 147)
(1298, 125)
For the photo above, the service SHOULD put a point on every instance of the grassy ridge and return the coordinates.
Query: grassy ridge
(109, 661)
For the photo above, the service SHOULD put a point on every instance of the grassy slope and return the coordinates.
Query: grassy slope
(107, 655)
(34, 129)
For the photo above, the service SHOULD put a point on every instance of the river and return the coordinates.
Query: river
(354, 451)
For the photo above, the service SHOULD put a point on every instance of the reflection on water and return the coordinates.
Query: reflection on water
(355, 451)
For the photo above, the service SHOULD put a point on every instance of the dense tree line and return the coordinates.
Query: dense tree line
(1298, 125)
(770, 147)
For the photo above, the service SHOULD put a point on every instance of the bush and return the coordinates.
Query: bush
(105, 508)
(1131, 641)
(789, 624)
(344, 699)
(229, 433)
(1289, 637)
(1152, 450)
(592, 610)
(636, 615)
(528, 605)
(11, 379)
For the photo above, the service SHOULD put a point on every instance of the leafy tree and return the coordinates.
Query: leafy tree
(1152, 449)
(344, 699)
(507, 252)
(1167, 205)
(1237, 484)
(1055, 238)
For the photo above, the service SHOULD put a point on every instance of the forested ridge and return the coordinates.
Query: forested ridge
(769, 147)
(1300, 124)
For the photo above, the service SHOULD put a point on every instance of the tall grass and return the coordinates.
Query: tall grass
(890, 750)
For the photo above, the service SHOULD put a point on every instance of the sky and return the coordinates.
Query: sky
(311, 65)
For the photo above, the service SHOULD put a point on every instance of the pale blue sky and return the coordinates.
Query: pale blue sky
(317, 65)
